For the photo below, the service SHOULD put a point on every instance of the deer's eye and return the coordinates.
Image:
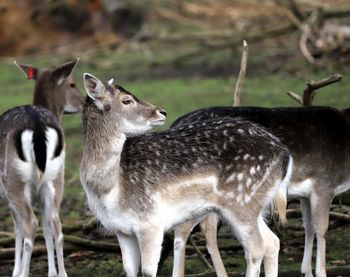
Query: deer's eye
(127, 101)
(72, 85)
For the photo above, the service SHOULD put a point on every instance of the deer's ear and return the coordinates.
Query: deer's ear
(29, 71)
(64, 71)
(93, 86)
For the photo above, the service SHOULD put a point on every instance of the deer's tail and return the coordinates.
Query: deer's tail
(280, 198)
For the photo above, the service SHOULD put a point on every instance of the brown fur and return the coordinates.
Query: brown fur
(23, 180)
(231, 167)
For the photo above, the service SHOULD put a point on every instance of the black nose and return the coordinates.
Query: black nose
(162, 112)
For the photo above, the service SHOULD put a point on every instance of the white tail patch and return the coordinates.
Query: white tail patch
(28, 169)
(52, 141)
(27, 145)
(53, 164)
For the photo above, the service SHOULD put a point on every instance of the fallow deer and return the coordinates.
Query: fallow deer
(319, 141)
(143, 185)
(32, 152)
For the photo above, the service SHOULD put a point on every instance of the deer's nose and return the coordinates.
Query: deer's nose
(162, 112)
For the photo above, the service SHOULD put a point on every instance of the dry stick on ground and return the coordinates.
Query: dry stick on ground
(9, 253)
(81, 226)
(311, 88)
(242, 71)
(332, 215)
(201, 255)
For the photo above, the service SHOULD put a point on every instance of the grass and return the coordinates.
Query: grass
(177, 96)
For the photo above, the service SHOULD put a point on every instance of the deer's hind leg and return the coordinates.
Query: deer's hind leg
(47, 194)
(18, 228)
(271, 248)
(306, 266)
(25, 224)
(56, 224)
(320, 206)
(249, 235)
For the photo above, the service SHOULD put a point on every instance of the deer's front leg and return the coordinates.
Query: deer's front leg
(150, 241)
(181, 234)
(130, 254)
(29, 223)
(57, 226)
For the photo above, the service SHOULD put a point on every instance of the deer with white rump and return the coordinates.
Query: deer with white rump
(32, 152)
(144, 185)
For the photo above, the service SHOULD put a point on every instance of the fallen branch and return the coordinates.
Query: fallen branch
(92, 244)
(332, 215)
(7, 241)
(241, 75)
(9, 253)
(200, 254)
(85, 226)
(6, 234)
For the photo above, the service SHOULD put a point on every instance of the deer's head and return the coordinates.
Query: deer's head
(55, 88)
(130, 114)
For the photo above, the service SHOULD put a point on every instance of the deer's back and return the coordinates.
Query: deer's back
(235, 152)
(317, 137)
(29, 135)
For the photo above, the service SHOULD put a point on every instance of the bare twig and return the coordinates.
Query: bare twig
(239, 83)
(296, 97)
(312, 86)
(200, 254)
(305, 35)
(292, 8)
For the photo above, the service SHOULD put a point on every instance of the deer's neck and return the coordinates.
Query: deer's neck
(104, 143)
(46, 97)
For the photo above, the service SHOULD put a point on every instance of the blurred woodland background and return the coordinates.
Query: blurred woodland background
(179, 55)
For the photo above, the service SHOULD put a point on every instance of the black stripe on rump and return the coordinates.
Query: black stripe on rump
(18, 145)
(39, 139)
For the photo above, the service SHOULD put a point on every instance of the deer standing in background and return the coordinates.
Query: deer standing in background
(142, 186)
(319, 141)
(32, 151)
